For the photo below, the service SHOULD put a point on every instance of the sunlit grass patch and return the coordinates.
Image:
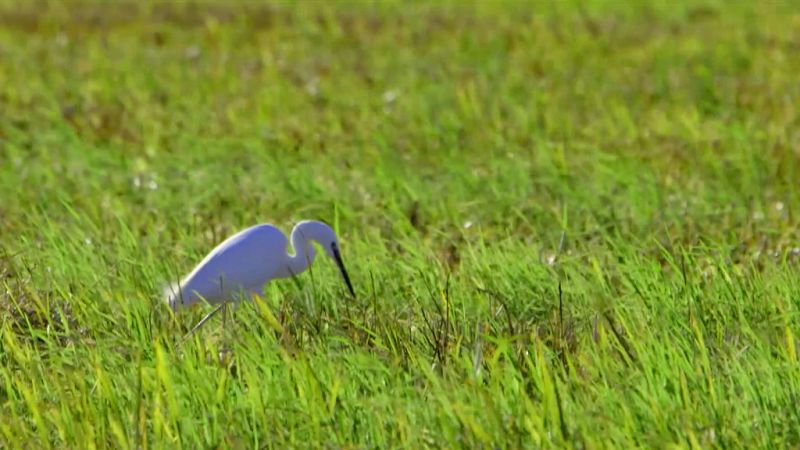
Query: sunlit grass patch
(567, 226)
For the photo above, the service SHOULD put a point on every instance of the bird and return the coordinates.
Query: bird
(245, 262)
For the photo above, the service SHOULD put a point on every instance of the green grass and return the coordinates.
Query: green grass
(569, 224)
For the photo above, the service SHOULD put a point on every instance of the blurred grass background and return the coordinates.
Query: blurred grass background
(570, 224)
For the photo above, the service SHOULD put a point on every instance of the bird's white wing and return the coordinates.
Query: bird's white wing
(244, 261)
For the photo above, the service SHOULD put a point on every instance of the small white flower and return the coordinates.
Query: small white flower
(390, 96)
(312, 87)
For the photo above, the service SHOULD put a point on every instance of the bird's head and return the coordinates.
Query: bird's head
(324, 235)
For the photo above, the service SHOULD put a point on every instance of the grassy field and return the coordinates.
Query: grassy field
(569, 224)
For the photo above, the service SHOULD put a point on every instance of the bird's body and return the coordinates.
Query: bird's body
(242, 264)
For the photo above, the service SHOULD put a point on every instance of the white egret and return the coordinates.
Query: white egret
(244, 263)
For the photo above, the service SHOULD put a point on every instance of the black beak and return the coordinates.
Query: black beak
(338, 258)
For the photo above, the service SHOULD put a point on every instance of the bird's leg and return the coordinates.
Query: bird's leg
(229, 336)
(224, 326)
(224, 316)
(234, 307)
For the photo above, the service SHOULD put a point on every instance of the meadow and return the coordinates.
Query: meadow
(568, 224)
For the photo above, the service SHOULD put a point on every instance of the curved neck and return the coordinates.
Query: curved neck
(304, 252)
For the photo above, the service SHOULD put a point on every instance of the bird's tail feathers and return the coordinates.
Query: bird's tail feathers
(171, 293)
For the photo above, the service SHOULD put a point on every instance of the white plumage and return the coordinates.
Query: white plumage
(242, 264)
